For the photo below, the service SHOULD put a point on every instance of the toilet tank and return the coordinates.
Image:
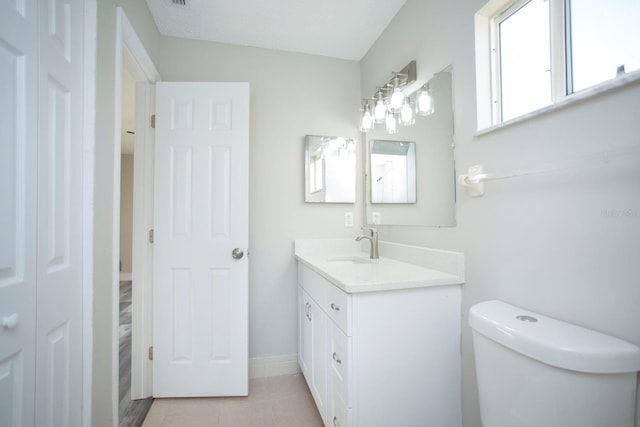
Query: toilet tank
(535, 371)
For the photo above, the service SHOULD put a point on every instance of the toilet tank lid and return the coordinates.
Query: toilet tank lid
(552, 341)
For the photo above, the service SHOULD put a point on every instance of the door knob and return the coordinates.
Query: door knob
(237, 253)
(11, 321)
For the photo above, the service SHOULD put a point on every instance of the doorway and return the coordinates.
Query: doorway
(131, 412)
(135, 72)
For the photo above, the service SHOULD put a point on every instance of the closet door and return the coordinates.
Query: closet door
(41, 82)
(59, 261)
(18, 180)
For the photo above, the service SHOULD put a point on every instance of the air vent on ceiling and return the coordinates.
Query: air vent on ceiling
(178, 3)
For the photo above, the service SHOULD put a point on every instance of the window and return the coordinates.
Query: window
(602, 36)
(534, 53)
(524, 59)
(316, 172)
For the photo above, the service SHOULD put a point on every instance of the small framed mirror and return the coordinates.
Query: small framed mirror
(393, 171)
(330, 169)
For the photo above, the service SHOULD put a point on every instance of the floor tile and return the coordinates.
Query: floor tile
(246, 414)
(296, 411)
(272, 402)
(287, 385)
(191, 419)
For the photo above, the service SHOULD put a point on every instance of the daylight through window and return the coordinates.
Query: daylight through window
(539, 52)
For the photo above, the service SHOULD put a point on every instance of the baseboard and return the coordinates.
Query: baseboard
(263, 367)
(125, 276)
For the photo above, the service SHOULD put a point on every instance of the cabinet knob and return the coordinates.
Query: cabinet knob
(335, 358)
(334, 307)
(335, 422)
(11, 321)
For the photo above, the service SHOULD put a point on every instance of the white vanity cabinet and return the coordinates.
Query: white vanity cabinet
(381, 358)
(339, 373)
(312, 346)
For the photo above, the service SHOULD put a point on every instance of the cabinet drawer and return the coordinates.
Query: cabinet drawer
(315, 285)
(338, 306)
(340, 363)
(339, 415)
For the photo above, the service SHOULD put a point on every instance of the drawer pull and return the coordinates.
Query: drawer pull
(334, 307)
(335, 358)
(11, 321)
(335, 422)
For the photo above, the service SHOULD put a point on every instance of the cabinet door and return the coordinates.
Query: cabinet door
(339, 366)
(319, 358)
(312, 348)
(304, 333)
(338, 414)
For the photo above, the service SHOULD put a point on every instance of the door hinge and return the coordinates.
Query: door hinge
(151, 353)
(153, 121)
(151, 236)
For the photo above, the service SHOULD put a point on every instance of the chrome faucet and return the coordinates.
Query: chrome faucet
(372, 236)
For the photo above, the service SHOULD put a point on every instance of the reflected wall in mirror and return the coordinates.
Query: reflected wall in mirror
(330, 169)
(434, 203)
(393, 171)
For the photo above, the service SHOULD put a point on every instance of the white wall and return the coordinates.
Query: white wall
(105, 194)
(126, 213)
(292, 95)
(542, 242)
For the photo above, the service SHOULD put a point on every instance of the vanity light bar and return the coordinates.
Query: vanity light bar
(389, 101)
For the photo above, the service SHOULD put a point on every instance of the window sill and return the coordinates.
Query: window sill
(604, 87)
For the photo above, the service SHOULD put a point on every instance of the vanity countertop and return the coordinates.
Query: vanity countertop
(342, 262)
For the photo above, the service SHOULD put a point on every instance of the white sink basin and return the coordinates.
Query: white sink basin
(349, 260)
(348, 267)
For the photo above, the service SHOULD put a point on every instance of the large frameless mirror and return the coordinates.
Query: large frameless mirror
(393, 171)
(330, 169)
(430, 142)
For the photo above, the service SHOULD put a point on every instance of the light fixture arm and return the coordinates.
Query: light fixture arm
(389, 99)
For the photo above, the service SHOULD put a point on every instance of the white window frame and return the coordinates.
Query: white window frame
(488, 95)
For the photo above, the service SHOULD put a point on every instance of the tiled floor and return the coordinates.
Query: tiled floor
(272, 402)
(132, 412)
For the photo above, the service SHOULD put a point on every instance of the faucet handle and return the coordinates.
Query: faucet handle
(373, 231)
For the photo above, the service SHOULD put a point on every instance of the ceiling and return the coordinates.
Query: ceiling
(343, 29)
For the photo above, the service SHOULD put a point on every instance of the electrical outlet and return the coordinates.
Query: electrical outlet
(348, 219)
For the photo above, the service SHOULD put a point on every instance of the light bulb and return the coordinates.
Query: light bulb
(424, 103)
(406, 114)
(351, 146)
(366, 124)
(396, 99)
(391, 123)
(380, 111)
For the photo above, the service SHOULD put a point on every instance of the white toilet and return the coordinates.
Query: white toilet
(535, 371)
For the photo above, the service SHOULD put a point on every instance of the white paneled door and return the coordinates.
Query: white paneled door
(18, 189)
(201, 236)
(59, 257)
(41, 164)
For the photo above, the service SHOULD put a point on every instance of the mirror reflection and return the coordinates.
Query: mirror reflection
(330, 169)
(432, 137)
(393, 171)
